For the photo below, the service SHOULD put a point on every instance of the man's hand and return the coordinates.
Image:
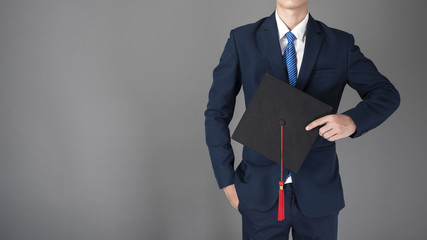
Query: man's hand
(230, 192)
(336, 126)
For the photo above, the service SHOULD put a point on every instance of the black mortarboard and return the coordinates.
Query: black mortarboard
(275, 102)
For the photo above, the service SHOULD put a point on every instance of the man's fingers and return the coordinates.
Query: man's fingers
(325, 129)
(317, 122)
(334, 138)
(234, 202)
(329, 134)
(230, 192)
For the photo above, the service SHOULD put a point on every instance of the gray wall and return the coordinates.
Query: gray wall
(101, 119)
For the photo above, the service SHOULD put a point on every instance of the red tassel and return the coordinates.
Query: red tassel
(281, 213)
(281, 208)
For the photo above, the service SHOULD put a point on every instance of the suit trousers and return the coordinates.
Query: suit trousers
(263, 225)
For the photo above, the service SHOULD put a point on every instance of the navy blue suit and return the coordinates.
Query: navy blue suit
(331, 61)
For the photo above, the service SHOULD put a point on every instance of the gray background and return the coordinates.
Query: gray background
(101, 119)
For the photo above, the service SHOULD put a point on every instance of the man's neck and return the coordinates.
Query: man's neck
(291, 17)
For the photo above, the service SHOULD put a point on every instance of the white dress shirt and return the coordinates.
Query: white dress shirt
(299, 32)
(299, 43)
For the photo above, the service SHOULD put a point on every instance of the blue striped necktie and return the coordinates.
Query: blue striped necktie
(290, 61)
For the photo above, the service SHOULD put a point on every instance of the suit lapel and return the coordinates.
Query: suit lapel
(313, 42)
(271, 47)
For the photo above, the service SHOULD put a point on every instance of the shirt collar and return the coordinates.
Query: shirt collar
(298, 31)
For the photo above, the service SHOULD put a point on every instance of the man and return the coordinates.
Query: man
(326, 61)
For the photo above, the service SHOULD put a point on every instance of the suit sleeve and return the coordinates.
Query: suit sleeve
(379, 97)
(220, 108)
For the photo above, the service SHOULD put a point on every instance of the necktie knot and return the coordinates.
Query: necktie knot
(290, 36)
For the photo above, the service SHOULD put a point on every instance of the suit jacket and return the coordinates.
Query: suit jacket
(331, 61)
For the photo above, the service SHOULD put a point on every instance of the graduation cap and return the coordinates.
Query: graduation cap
(274, 124)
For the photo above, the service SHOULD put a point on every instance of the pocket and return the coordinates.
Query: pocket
(323, 70)
(324, 154)
(323, 147)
